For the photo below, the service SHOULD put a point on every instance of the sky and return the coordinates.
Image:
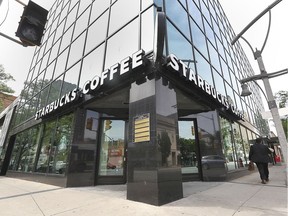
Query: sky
(16, 59)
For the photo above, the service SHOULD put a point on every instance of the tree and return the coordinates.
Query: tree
(164, 143)
(4, 88)
(281, 97)
(4, 78)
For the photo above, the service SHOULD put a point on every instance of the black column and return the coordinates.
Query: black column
(154, 175)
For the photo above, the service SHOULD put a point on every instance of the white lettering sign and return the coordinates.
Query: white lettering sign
(126, 65)
(176, 65)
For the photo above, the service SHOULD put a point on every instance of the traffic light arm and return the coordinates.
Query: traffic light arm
(12, 39)
(20, 3)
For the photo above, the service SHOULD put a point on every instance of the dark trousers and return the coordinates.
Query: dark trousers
(263, 170)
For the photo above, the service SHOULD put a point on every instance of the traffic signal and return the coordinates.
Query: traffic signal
(192, 130)
(31, 26)
(89, 123)
(108, 124)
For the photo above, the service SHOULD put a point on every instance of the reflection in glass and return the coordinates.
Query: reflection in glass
(55, 89)
(66, 39)
(92, 65)
(112, 148)
(214, 57)
(98, 8)
(199, 39)
(94, 36)
(209, 33)
(60, 64)
(228, 145)
(239, 146)
(24, 152)
(118, 18)
(219, 84)
(71, 17)
(178, 16)
(147, 30)
(76, 50)
(129, 44)
(55, 145)
(81, 23)
(195, 13)
(59, 149)
(70, 79)
(187, 156)
(177, 44)
(46, 147)
(203, 68)
(147, 3)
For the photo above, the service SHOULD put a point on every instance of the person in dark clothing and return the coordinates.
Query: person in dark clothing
(259, 154)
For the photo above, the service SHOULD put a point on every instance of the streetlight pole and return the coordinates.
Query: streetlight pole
(265, 78)
(273, 108)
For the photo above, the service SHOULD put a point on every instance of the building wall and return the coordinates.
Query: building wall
(84, 38)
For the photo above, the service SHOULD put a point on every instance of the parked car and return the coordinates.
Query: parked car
(213, 161)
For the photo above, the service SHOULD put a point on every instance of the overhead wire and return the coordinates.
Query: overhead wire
(5, 14)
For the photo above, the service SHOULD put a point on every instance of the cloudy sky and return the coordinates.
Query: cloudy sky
(16, 59)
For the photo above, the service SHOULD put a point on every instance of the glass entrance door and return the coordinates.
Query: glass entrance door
(112, 152)
(189, 150)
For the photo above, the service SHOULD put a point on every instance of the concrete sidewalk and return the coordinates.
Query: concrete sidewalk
(240, 197)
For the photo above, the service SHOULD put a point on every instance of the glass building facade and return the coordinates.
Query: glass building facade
(98, 109)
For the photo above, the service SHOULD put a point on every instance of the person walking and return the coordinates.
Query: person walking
(259, 154)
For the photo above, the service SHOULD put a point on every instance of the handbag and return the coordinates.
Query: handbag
(251, 166)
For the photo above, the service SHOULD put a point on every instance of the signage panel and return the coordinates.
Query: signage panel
(142, 128)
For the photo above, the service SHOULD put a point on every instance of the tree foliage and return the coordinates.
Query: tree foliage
(164, 143)
(4, 78)
(4, 88)
(281, 97)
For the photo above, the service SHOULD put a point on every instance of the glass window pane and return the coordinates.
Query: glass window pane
(219, 83)
(66, 39)
(214, 57)
(118, 18)
(178, 16)
(61, 141)
(94, 36)
(71, 18)
(98, 8)
(112, 148)
(177, 44)
(203, 68)
(209, 33)
(71, 79)
(146, 3)
(76, 50)
(46, 147)
(147, 30)
(60, 64)
(49, 72)
(129, 44)
(81, 23)
(55, 89)
(187, 155)
(92, 65)
(199, 39)
(195, 13)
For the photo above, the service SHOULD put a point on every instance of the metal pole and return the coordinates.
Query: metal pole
(12, 39)
(20, 3)
(274, 111)
(255, 20)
